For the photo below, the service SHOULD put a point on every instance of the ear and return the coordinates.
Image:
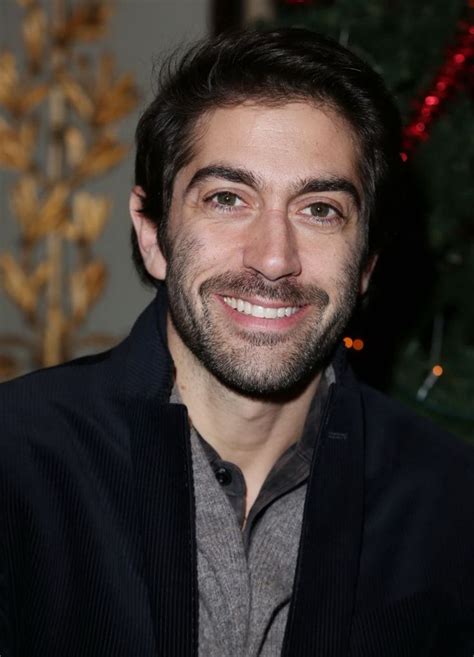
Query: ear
(145, 230)
(367, 274)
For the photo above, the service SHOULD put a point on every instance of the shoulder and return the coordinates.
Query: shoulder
(388, 417)
(55, 380)
(401, 443)
(39, 404)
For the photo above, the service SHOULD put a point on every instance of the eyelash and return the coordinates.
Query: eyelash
(338, 216)
(220, 207)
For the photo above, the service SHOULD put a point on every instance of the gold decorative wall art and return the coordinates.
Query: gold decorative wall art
(58, 109)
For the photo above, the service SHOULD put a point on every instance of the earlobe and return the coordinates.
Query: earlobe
(367, 274)
(145, 230)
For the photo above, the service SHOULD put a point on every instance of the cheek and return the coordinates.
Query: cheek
(324, 256)
(334, 265)
(213, 246)
(198, 257)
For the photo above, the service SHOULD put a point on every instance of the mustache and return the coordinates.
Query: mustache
(247, 284)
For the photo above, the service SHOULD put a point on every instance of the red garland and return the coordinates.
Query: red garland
(456, 73)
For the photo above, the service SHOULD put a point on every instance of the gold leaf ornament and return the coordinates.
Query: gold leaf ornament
(105, 73)
(102, 156)
(16, 146)
(28, 132)
(39, 219)
(34, 35)
(27, 4)
(116, 101)
(22, 288)
(87, 22)
(77, 96)
(30, 98)
(75, 145)
(24, 203)
(53, 337)
(54, 209)
(8, 76)
(86, 287)
(8, 366)
(58, 223)
(89, 217)
(16, 97)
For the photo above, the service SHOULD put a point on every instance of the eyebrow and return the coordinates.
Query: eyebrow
(329, 184)
(235, 175)
(246, 177)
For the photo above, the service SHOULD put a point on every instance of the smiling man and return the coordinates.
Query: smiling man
(220, 484)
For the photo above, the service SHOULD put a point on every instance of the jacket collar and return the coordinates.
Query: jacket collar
(323, 603)
(143, 359)
(161, 460)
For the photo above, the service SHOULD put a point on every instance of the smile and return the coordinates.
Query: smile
(260, 311)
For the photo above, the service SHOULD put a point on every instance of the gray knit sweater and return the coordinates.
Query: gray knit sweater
(243, 598)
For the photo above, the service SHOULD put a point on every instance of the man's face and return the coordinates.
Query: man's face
(266, 241)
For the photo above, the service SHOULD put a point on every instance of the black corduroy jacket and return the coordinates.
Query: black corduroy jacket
(97, 537)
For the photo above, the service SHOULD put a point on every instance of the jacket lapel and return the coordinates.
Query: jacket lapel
(166, 509)
(161, 460)
(320, 616)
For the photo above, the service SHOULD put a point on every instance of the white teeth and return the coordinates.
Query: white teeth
(270, 313)
(259, 311)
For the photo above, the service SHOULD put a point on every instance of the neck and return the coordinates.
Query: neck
(250, 432)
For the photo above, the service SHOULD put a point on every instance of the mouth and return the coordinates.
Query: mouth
(261, 312)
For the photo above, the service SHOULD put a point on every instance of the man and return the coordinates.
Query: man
(220, 484)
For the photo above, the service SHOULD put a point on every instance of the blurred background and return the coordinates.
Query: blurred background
(74, 77)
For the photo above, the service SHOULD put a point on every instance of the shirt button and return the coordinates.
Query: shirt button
(223, 476)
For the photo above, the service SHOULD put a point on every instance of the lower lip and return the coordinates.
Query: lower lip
(249, 321)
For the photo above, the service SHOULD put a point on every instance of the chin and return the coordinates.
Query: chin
(246, 376)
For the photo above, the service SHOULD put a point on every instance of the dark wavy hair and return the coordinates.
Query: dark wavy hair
(272, 67)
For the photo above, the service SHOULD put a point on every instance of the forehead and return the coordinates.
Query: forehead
(279, 143)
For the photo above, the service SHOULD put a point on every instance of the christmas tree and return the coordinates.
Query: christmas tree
(415, 338)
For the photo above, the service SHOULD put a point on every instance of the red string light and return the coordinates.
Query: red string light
(456, 73)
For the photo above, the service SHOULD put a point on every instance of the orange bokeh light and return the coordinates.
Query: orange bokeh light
(358, 344)
(437, 370)
(348, 343)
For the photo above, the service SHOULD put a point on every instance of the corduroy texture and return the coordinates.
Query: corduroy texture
(97, 544)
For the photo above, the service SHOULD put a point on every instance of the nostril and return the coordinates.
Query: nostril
(273, 261)
(271, 249)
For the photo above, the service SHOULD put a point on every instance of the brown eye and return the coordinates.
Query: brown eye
(321, 210)
(226, 198)
(323, 216)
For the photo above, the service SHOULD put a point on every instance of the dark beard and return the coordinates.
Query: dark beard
(235, 364)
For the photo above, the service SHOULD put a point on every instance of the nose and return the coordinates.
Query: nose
(271, 248)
